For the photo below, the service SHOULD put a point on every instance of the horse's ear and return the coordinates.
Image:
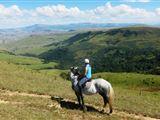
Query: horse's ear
(71, 68)
(76, 68)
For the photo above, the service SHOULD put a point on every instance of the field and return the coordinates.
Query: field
(21, 90)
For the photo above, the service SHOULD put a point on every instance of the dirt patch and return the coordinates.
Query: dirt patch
(152, 90)
(9, 102)
(14, 93)
(68, 104)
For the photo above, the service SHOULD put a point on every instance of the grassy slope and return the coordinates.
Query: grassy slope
(137, 93)
(132, 80)
(17, 78)
(29, 62)
(36, 44)
(30, 108)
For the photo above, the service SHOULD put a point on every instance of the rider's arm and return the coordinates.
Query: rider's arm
(85, 71)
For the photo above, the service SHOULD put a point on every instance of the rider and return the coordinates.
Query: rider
(87, 73)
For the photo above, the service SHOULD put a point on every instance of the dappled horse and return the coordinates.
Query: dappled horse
(94, 86)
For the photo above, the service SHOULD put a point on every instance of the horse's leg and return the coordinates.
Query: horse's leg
(79, 99)
(110, 105)
(83, 105)
(111, 98)
(105, 99)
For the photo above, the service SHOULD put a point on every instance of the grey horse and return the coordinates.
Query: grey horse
(99, 85)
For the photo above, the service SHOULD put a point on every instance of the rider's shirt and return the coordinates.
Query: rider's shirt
(88, 74)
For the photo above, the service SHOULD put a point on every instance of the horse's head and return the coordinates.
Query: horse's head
(74, 73)
(74, 70)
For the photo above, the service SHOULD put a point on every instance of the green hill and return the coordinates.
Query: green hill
(27, 62)
(124, 49)
(36, 44)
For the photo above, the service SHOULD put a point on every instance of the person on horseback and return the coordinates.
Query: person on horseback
(87, 74)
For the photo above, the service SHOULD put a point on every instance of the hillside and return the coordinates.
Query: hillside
(26, 62)
(41, 86)
(36, 44)
(124, 49)
(29, 90)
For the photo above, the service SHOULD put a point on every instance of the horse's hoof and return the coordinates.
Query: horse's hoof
(80, 108)
(111, 111)
(103, 111)
(84, 108)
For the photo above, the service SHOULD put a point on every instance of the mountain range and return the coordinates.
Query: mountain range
(13, 34)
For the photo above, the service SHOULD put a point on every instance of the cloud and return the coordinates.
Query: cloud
(136, 1)
(10, 11)
(120, 10)
(13, 16)
(123, 13)
(58, 11)
(157, 11)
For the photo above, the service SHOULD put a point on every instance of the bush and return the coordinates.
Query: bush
(65, 75)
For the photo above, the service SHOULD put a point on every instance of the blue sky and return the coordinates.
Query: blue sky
(17, 13)
(83, 4)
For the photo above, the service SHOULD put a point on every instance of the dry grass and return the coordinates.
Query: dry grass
(16, 78)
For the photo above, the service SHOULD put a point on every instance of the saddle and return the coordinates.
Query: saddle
(85, 83)
(80, 77)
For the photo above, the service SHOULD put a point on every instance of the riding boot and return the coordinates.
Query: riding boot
(80, 90)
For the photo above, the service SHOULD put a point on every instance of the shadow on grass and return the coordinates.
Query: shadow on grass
(73, 105)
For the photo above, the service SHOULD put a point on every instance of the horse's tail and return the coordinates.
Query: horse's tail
(111, 99)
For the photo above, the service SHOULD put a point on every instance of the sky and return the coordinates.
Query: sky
(18, 13)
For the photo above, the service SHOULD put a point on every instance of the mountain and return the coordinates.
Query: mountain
(131, 49)
(76, 26)
(13, 34)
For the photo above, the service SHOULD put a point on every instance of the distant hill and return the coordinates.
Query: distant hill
(123, 49)
(13, 34)
(34, 45)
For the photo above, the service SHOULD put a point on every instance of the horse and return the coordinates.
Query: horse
(101, 86)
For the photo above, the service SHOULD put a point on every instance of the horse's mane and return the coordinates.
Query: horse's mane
(80, 76)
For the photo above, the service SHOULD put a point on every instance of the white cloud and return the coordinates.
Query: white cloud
(122, 13)
(136, 0)
(157, 11)
(59, 14)
(58, 11)
(10, 11)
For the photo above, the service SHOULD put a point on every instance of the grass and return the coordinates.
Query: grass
(27, 108)
(42, 66)
(132, 80)
(138, 102)
(22, 79)
(21, 60)
(36, 108)
(131, 99)
(28, 62)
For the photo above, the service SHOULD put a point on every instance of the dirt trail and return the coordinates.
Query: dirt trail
(65, 103)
